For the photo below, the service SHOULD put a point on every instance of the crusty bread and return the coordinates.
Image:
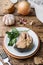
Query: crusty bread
(6, 6)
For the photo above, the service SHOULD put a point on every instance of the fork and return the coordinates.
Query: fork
(4, 60)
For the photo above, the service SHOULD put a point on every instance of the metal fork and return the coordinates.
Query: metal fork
(4, 58)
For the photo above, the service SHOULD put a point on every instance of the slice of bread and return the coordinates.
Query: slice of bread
(6, 6)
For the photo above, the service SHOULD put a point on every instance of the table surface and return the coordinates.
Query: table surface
(37, 26)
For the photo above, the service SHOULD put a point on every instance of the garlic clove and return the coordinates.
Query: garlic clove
(6, 22)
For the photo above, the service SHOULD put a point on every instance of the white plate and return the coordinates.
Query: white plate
(18, 54)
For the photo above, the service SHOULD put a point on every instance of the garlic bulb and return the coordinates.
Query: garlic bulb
(23, 8)
(9, 19)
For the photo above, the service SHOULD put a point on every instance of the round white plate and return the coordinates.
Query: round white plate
(13, 52)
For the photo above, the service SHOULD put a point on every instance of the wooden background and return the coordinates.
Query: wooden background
(37, 26)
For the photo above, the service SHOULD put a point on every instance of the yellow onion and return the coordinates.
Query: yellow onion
(23, 7)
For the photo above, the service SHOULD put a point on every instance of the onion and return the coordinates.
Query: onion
(23, 7)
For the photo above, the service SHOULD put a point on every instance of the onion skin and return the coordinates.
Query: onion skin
(23, 8)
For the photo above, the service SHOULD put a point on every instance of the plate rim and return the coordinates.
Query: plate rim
(22, 57)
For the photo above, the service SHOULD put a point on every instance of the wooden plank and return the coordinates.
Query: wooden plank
(37, 27)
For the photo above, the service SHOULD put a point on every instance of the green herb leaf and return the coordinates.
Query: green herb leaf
(12, 36)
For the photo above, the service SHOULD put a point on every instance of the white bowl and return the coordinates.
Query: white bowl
(39, 12)
(38, 9)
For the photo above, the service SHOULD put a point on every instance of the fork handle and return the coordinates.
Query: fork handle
(8, 63)
(2, 60)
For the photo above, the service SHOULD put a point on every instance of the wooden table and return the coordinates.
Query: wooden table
(37, 26)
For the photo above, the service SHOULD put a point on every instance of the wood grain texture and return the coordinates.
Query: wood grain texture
(37, 27)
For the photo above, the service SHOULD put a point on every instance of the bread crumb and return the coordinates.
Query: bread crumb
(38, 60)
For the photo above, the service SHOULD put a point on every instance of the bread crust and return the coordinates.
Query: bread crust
(6, 6)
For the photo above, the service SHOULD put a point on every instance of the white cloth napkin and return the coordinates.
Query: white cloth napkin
(38, 2)
(13, 1)
(1, 63)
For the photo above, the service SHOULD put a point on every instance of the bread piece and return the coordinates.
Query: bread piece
(38, 60)
(6, 6)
